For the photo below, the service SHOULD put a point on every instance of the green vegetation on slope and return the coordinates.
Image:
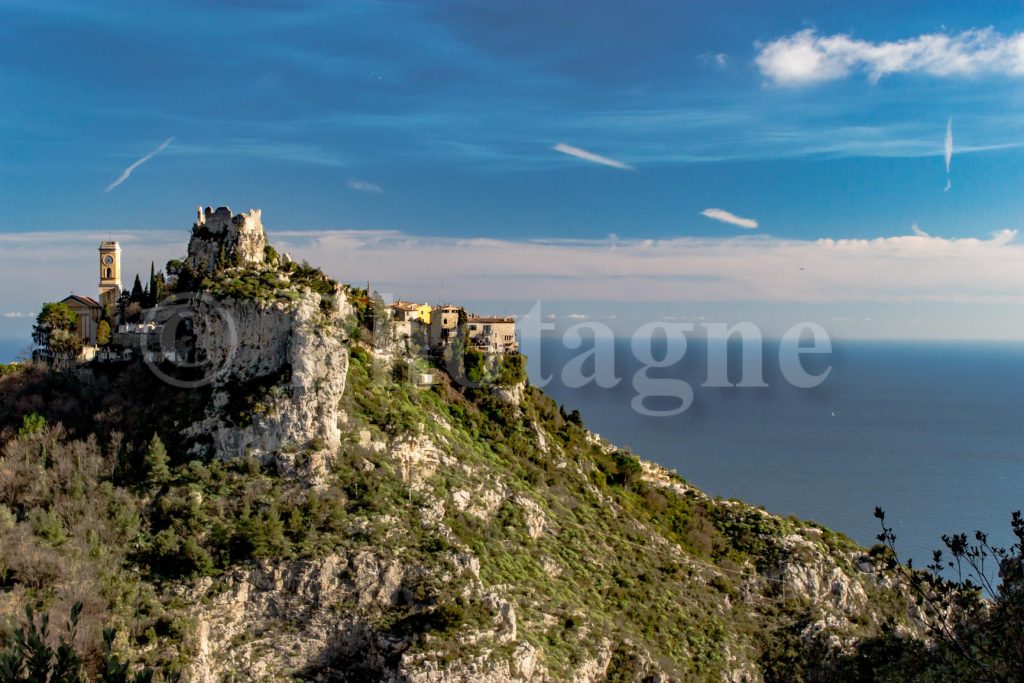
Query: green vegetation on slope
(102, 504)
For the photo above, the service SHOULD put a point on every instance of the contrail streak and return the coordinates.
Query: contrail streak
(128, 171)
(949, 152)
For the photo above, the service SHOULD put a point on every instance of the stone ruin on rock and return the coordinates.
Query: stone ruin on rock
(220, 239)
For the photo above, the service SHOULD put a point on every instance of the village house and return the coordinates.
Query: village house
(444, 326)
(409, 320)
(407, 311)
(492, 334)
(488, 334)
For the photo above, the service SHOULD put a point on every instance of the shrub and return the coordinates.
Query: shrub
(31, 424)
(47, 525)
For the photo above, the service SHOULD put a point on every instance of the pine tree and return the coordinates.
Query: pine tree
(273, 530)
(156, 462)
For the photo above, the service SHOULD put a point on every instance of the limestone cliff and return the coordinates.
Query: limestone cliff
(281, 375)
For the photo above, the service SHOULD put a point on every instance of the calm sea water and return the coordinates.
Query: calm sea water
(931, 432)
(12, 347)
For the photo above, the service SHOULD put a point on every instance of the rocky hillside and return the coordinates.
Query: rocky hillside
(310, 514)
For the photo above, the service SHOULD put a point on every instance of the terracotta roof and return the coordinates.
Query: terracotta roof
(84, 300)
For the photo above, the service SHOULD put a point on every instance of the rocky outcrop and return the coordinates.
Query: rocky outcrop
(511, 394)
(220, 239)
(276, 619)
(327, 620)
(276, 364)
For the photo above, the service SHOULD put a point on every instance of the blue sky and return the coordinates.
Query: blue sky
(438, 121)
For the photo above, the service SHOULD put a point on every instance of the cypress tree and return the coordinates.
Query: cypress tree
(137, 295)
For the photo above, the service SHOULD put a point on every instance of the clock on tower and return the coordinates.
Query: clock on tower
(110, 273)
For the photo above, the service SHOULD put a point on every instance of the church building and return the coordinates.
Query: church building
(89, 310)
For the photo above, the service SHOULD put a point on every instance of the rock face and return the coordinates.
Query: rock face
(286, 364)
(320, 620)
(218, 237)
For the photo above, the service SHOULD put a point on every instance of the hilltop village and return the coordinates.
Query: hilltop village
(124, 324)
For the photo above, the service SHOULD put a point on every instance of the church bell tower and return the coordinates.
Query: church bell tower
(110, 273)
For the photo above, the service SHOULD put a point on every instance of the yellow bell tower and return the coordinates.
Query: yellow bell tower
(110, 273)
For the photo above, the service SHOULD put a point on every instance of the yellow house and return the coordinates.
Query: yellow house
(407, 311)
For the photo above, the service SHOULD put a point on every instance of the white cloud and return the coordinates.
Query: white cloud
(364, 186)
(128, 171)
(910, 269)
(578, 316)
(590, 156)
(729, 217)
(916, 229)
(18, 314)
(806, 58)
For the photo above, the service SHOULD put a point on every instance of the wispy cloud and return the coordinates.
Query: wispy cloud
(806, 58)
(364, 186)
(590, 156)
(265, 148)
(729, 217)
(128, 171)
(18, 314)
(905, 268)
(717, 59)
(949, 152)
(916, 229)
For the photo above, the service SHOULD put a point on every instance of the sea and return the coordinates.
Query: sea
(932, 432)
(14, 348)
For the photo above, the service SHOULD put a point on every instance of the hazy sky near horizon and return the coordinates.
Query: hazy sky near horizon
(858, 164)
